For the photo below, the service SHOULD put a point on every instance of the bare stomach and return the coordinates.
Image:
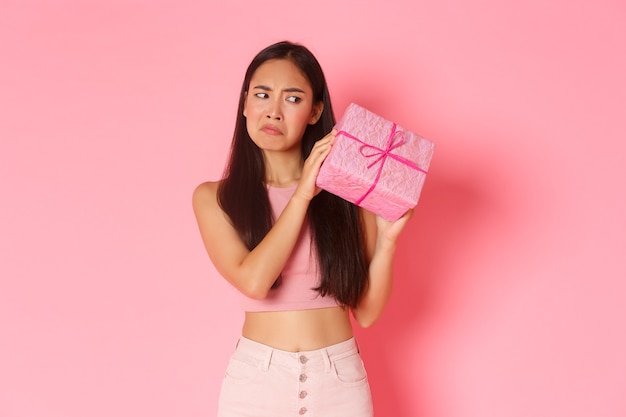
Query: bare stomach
(300, 330)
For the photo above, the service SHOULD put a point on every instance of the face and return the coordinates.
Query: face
(279, 106)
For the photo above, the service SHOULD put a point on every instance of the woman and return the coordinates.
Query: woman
(302, 258)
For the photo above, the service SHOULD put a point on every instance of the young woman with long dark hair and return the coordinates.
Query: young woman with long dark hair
(302, 258)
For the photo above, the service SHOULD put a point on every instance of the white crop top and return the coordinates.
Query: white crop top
(300, 273)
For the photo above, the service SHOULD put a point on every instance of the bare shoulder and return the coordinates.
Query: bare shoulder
(205, 205)
(221, 240)
(205, 195)
(206, 190)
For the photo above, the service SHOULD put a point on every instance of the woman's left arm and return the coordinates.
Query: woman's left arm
(381, 241)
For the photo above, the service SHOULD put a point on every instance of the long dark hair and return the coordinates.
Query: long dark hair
(335, 224)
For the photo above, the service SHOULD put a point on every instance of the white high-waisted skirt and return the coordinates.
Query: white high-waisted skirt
(261, 381)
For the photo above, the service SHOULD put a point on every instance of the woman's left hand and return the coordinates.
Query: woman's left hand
(391, 230)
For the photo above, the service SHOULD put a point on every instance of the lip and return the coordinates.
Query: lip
(271, 129)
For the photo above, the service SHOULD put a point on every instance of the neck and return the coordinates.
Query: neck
(283, 169)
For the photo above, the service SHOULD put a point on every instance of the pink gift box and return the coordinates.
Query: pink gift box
(376, 164)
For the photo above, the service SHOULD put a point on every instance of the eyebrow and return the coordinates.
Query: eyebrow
(287, 90)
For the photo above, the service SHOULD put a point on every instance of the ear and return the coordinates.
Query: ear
(316, 113)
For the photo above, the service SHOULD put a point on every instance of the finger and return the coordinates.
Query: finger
(329, 138)
(322, 148)
(323, 143)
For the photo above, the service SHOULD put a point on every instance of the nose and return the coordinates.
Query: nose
(274, 111)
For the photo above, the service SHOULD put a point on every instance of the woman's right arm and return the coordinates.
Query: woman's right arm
(251, 272)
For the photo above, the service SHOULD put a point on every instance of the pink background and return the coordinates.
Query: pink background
(510, 290)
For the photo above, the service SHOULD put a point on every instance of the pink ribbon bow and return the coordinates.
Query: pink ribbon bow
(381, 155)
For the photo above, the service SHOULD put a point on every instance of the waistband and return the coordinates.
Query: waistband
(263, 355)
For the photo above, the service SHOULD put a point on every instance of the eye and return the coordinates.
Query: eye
(294, 99)
(261, 95)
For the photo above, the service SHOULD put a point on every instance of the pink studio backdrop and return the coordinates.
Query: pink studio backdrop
(509, 297)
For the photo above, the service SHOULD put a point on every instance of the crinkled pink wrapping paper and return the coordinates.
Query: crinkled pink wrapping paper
(345, 171)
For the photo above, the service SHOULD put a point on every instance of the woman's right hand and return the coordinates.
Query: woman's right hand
(311, 168)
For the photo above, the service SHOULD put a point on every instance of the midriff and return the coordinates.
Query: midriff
(299, 330)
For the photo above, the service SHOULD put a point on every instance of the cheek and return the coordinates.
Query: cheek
(303, 117)
(252, 108)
